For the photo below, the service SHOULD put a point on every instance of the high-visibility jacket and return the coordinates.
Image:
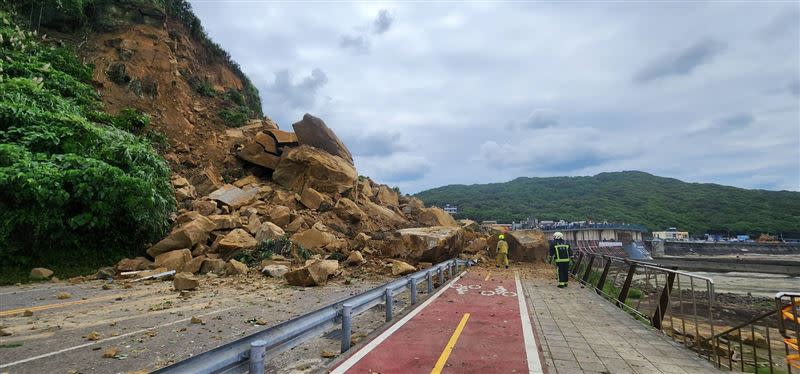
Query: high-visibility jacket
(560, 251)
(502, 247)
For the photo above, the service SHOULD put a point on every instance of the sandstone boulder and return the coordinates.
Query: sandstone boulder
(478, 245)
(430, 244)
(253, 224)
(205, 207)
(355, 258)
(284, 138)
(213, 265)
(246, 181)
(314, 274)
(347, 210)
(225, 221)
(206, 181)
(40, 273)
(234, 242)
(313, 131)
(174, 260)
(233, 196)
(401, 268)
(436, 217)
(134, 264)
(313, 238)
(185, 282)
(184, 236)
(279, 215)
(308, 167)
(386, 196)
(255, 153)
(312, 199)
(297, 225)
(525, 245)
(268, 230)
(234, 267)
(413, 206)
(275, 270)
(195, 264)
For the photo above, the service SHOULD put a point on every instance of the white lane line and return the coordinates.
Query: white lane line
(108, 339)
(531, 349)
(355, 358)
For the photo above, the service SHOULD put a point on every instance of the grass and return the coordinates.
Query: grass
(11, 345)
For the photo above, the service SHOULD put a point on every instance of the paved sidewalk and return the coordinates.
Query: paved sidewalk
(580, 332)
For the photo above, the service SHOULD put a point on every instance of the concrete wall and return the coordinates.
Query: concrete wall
(783, 266)
(718, 248)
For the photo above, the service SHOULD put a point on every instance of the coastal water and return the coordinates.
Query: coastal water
(757, 284)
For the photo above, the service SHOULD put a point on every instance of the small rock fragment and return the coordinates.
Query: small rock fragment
(93, 336)
(27, 313)
(110, 352)
(63, 295)
(197, 321)
(328, 354)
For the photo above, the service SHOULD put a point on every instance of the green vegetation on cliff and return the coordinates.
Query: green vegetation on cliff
(630, 197)
(76, 187)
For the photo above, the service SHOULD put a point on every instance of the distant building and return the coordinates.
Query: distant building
(452, 209)
(671, 234)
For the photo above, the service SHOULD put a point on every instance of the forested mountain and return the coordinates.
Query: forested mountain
(630, 197)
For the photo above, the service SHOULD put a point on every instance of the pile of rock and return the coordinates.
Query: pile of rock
(303, 188)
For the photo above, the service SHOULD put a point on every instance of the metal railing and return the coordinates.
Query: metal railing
(249, 353)
(678, 303)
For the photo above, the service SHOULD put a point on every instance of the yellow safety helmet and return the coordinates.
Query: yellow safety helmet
(558, 235)
(501, 237)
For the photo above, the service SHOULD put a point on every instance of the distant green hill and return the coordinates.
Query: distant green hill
(630, 197)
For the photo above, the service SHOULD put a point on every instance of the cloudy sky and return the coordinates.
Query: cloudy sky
(427, 94)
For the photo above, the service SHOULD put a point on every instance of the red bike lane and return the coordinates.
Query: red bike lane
(474, 325)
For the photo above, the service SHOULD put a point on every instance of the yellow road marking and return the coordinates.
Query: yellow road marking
(11, 312)
(450, 345)
(487, 276)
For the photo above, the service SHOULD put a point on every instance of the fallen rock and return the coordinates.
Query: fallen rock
(235, 268)
(255, 153)
(297, 225)
(275, 271)
(213, 265)
(27, 313)
(248, 180)
(313, 238)
(436, 217)
(386, 196)
(40, 273)
(174, 260)
(185, 281)
(284, 138)
(196, 321)
(308, 167)
(134, 264)
(314, 274)
(111, 352)
(105, 272)
(401, 268)
(327, 354)
(236, 241)
(206, 181)
(525, 245)
(279, 215)
(355, 258)
(184, 236)
(313, 131)
(205, 207)
(363, 238)
(225, 221)
(63, 295)
(195, 264)
(268, 230)
(253, 224)
(430, 244)
(233, 196)
(469, 224)
(347, 210)
(93, 336)
(479, 245)
(312, 199)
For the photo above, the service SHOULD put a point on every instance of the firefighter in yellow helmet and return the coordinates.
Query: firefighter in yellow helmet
(561, 256)
(502, 251)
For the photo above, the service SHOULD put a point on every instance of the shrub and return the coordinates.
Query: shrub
(236, 116)
(75, 188)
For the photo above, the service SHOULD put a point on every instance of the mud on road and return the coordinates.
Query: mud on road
(148, 324)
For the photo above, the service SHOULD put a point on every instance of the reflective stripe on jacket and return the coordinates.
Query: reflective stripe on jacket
(562, 253)
(502, 246)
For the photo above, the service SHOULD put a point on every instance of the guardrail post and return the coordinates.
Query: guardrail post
(347, 320)
(577, 264)
(430, 281)
(663, 302)
(588, 268)
(602, 282)
(450, 271)
(623, 293)
(256, 360)
(389, 303)
(412, 285)
(441, 277)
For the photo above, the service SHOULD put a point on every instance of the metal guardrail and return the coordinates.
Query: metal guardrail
(652, 294)
(249, 353)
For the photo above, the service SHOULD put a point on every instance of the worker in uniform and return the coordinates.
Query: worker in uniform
(502, 251)
(561, 256)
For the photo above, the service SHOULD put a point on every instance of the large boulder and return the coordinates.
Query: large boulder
(478, 245)
(355, 258)
(134, 264)
(184, 236)
(185, 282)
(436, 217)
(206, 181)
(40, 273)
(268, 230)
(279, 215)
(233, 196)
(314, 274)
(213, 265)
(526, 245)
(347, 210)
(386, 196)
(225, 221)
(234, 267)
(275, 270)
(313, 131)
(174, 260)
(430, 244)
(402, 268)
(312, 199)
(313, 238)
(234, 242)
(306, 166)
